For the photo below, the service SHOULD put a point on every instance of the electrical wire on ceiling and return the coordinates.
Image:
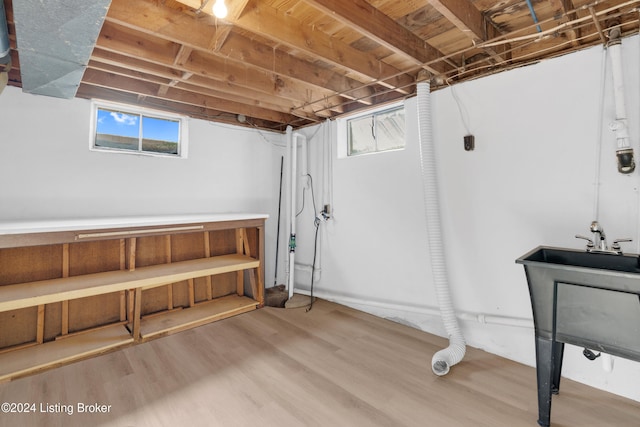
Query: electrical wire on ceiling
(587, 26)
(461, 109)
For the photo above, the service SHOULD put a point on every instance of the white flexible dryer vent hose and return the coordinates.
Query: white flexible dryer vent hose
(443, 359)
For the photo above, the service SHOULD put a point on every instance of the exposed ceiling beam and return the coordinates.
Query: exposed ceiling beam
(268, 22)
(468, 19)
(166, 78)
(130, 43)
(205, 113)
(565, 10)
(241, 48)
(235, 9)
(379, 27)
(168, 24)
(150, 89)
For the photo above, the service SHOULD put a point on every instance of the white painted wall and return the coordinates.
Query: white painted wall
(530, 181)
(48, 172)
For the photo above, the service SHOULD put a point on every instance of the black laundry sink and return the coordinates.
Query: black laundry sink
(576, 258)
(588, 299)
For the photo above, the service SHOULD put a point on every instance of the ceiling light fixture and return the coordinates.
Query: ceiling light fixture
(220, 9)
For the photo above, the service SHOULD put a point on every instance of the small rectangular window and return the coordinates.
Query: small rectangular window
(379, 131)
(129, 130)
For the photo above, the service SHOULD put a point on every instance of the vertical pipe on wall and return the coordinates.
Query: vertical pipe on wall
(443, 359)
(626, 162)
(327, 144)
(292, 142)
(598, 153)
(292, 187)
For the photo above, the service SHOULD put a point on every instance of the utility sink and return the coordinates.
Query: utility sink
(578, 258)
(589, 299)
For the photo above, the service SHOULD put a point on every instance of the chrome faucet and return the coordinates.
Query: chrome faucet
(599, 241)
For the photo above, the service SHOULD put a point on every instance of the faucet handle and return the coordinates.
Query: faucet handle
(616, 243)
(589, 241)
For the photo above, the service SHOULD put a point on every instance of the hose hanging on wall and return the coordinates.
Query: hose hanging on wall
(445, 358)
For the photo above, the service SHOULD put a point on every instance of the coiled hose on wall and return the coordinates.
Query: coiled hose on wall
(445, 358)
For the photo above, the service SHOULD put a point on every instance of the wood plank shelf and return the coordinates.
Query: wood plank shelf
(35, 358)
(48, 291)
(71, 291)
(200, 314)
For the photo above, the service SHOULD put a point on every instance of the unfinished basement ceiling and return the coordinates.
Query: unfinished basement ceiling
(300, 62)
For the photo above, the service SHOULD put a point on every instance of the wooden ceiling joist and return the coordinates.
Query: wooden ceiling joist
(138, 68)
(267, 22)
(125, 41)
(196, 86)
(204, 113)
(299, 62)
(150, 89)
(369, 20)
(242, 50)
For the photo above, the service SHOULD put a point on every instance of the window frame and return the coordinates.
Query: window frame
(140, 112)
(344, 146)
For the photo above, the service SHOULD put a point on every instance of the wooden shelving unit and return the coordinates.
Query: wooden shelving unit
(31, 359)
(69, 291)
(200, 314)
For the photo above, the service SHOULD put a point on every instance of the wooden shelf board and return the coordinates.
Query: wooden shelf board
(32, 359)
(197, 315)
(47, 291)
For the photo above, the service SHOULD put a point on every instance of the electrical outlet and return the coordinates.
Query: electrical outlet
(469, 143)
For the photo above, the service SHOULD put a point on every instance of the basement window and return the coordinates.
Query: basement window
(125, 129)
(382, 130)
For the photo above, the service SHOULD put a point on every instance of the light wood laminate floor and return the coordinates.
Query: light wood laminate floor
(332, 366)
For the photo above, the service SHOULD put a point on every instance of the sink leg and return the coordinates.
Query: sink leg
(558, 352)
(545, 375)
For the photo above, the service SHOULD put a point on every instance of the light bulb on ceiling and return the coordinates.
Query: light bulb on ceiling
(220, 9)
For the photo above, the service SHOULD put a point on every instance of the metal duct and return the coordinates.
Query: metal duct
(55, 39)
(5, 47)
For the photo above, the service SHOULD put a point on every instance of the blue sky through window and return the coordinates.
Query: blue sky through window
(128, 125)
(160, 129)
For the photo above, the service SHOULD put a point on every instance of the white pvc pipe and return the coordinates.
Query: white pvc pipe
(598, 153)
(292, 140)
(619, 126)
(291, 217)
(443, 359)
(607, 362)
(485, 319)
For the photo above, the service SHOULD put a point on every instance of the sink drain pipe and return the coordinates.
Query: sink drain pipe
(445, 358)
(624, 153)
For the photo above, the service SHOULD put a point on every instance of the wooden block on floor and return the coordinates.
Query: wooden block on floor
(38, 357)
(200, 314)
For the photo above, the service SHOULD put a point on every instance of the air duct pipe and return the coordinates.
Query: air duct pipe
(445, 358)
(624, 152)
